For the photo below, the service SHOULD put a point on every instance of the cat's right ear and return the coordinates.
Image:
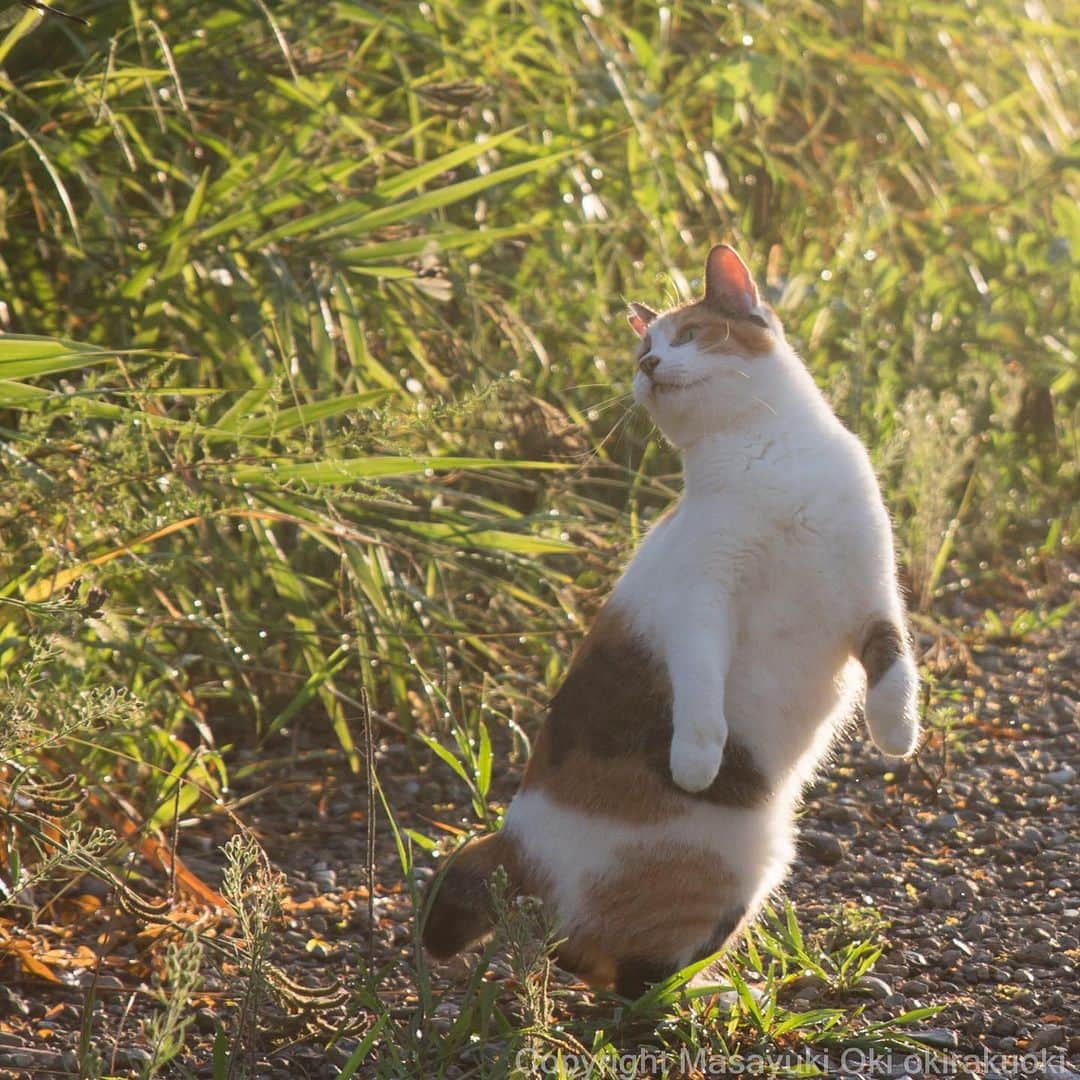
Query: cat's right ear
(728, 284)
(639, 318)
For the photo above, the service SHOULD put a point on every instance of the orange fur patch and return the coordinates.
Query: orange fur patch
(461, 913)
(663, 903)
(624, 788)
(605, 748)
(718, 333)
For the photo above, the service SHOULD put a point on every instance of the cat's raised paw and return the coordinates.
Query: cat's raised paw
(696, 759)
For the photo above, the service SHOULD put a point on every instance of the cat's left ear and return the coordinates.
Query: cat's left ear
(639, 318)
(728, 284)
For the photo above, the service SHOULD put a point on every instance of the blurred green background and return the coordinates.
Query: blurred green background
(260, 264)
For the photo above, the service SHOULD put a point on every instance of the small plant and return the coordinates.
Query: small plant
(526, 932)
(253, 888)
(936, 446)
(165, 1033)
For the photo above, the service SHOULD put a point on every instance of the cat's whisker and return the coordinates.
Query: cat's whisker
(604, 406)
(594, 452)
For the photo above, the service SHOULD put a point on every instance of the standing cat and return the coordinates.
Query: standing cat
(657, 810)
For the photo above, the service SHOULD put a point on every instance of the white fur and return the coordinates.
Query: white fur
(578, 850)
(757, 590)
(892, 709)
(756, 594)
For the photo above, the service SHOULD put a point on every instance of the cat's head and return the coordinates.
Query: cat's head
(706, 365)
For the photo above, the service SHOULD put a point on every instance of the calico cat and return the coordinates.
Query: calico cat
(657, 809)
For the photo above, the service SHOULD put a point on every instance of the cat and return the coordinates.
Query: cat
(657, 809)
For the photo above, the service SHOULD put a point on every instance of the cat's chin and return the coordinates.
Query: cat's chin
(662, 389)
(653, 392)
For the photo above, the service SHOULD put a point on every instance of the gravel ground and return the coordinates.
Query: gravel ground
(971, 854)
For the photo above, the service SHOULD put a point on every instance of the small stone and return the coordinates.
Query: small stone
(1004, 1025)
(11, 1004)
(914, 987)
(962, 889)
(944, 823)
(1058, 1071)
(206, 1021)
(941, 1038)
(896, 1001)
(1036, 952)
(325, 879)
(823, 847)
(134, 1056)
(875, 987)
(939, 896)
(342, 1050)
(808, 986)
(1051, 1035)
(1029, 842)
(1062, 777)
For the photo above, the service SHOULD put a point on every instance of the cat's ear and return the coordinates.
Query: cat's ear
(728, 284)
(639, 317)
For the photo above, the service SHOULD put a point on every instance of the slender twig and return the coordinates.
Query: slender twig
(38, 5)
(369, 763)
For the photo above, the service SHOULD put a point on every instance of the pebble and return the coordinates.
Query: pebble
(1062, 777)
(1052, 1035)
(324, 878)
(944, 823)
(206, 1021)
(939, 896)
(11, 1004)
(133, 1056)
(940, 1038)
(1004, 1025)
(1059, 1071)
(875, 987)
(823, 847)
(1030, 842)
(808, 986)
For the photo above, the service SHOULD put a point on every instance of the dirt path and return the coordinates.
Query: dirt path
(971, 855)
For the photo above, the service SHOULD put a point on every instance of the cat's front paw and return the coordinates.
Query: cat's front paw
(696, 758)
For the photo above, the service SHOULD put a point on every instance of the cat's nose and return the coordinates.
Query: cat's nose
(649, 363)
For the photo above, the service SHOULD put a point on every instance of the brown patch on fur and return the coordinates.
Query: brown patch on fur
(460, 913)
(625, 788)
(882, 646)
(720, 332)
(593, 967)
(661, 905)
(606, 745)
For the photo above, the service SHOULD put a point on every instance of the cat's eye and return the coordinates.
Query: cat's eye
(685, 335)
(757, 320)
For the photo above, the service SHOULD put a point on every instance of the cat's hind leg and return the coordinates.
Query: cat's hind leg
(892, 687)
(635, 974)
(458, 902)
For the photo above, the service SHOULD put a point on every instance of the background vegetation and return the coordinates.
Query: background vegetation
(297, 299)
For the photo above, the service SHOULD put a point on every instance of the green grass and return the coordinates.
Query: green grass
(287, 290)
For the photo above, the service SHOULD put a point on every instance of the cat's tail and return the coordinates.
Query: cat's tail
(458, 901)
(892, 688)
